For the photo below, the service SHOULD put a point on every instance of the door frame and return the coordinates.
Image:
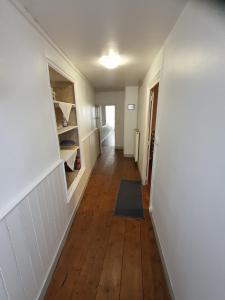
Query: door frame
(98, 125)
(149, 130)
(156, 80)
(101, 125)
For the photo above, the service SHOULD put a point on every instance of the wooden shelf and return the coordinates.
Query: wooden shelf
(58, 102)
(66, 154)
(65, 129)
(64, 104)
(70, 177)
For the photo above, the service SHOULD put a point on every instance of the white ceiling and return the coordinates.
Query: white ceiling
(86, 29)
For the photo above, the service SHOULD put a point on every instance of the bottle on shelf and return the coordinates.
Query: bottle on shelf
(65, 123)
(77, 162)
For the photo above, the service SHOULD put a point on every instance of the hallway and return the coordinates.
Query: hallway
(109, 140)
(107, 257)
(67, 64)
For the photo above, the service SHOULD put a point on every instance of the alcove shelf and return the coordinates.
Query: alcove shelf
(66, 154)
(58, 102)
(64, 103)
(66, 129)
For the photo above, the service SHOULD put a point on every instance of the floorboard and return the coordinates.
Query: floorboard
(131, 281)
(109, 286)
(107, 257)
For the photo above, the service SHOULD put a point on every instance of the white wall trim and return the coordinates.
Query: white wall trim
(27, 190)
(58, 69)
(165, 268)
(30, 187)
(74, 185)
(61, 245)
(88, 135)
(155, 80)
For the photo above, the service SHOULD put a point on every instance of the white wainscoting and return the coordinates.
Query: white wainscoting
(32, 233)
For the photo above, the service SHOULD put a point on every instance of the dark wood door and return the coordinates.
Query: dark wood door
(152, 124)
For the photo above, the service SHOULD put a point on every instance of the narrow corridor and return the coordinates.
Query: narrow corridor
(108, 257)
(110, 140)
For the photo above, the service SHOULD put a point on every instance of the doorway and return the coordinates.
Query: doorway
(107, 131)
(151, 133)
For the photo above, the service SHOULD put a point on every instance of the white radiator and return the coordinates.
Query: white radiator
(136, 144)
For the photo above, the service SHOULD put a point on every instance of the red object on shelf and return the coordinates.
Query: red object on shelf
(77, 163)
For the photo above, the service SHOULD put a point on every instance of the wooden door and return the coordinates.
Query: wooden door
(151, 133)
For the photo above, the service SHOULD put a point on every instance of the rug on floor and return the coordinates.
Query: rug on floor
(129, 199)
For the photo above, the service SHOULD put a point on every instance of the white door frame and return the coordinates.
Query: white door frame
(100, 128)
(98, 125)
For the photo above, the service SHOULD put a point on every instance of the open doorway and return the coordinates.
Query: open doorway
(151, 133)
(108, 125)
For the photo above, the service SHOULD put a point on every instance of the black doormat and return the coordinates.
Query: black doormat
(129, 200)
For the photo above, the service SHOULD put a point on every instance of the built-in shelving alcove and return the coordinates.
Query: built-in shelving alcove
(64, 102)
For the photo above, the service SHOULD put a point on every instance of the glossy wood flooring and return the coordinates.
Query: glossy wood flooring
(107, 257)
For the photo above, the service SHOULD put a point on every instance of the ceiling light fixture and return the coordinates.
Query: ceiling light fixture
(111, 61)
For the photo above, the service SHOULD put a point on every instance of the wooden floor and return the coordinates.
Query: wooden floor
(108, 257)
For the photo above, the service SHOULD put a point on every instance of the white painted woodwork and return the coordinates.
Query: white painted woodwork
(10, 273)
(34, 209)
(114, 98)
(29, 138)
(65, 129)
(32, 232)
(58, 102)
(66, 154)
(3, 291)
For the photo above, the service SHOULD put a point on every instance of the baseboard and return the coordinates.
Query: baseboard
(119, 147)
(165, 269)
(61, 245)
(128, 155)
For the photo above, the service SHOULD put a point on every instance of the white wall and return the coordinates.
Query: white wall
(30, 143)
(114, 98)
(31, 170)
(130, 119)
(188, 194)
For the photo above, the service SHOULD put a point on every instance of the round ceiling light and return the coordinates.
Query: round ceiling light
(110, 61)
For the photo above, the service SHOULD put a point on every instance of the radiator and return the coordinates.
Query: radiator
(136, 144)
